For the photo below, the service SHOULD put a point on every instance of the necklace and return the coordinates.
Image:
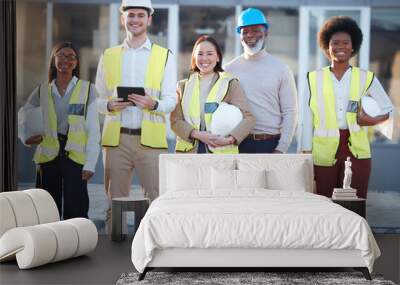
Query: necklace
(61, 90)
(62, 86)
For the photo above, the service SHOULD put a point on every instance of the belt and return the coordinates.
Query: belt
(263, 137)
(131, 131)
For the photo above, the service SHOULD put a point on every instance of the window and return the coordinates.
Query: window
(383, 200)
(283, 35)
(31, 47)
(88, 34)
(385, 58)
(31, 69)
(195, 21)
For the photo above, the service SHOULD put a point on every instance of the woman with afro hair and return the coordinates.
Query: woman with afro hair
(333, 120)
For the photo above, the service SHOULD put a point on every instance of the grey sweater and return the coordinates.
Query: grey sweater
(271, 92)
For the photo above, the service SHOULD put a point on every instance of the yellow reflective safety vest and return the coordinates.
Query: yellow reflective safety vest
(154, 131)
(323, 106)
(48, 149)
(191, 109)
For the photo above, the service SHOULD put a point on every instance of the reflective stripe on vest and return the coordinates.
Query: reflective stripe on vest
(77, 135)
(48, 149)
(323, 107)
(154, 131)
(191, 109)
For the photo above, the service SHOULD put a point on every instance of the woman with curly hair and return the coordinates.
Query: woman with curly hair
(333, 120)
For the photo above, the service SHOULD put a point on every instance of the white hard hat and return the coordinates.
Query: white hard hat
(225, 119)
(370, 106)
(136, 3)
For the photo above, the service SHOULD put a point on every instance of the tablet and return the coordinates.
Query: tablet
(124, 91)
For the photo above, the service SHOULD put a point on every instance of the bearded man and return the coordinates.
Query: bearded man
(268, 85)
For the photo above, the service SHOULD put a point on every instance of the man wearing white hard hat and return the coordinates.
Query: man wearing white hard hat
(134, 131)
(269, 87)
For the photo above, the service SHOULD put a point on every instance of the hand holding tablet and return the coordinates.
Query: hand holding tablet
(121, 101)
(123, 92)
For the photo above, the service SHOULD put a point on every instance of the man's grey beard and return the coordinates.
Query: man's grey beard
(253, 50)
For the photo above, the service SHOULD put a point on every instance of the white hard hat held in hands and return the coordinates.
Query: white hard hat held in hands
(370, 106)
(225, 119)
(136, 4)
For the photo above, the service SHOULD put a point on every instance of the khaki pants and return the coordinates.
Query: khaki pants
(119, 165)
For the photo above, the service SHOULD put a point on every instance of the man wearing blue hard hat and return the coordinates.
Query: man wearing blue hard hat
(269, 87)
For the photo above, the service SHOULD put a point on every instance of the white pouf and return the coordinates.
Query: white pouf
(30, 230)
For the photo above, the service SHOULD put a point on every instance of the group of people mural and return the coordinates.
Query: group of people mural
(331, 121)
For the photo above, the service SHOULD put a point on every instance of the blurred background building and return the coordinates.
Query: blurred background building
(94, 25)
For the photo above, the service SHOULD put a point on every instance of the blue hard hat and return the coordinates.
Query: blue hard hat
(250, 17)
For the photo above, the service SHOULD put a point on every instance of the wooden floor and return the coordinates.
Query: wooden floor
(103, 266)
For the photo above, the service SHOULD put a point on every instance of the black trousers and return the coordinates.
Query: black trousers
(261, 146)
(202, 148)
(62, 178)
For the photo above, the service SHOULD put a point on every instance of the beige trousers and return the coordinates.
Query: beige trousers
(119, 165)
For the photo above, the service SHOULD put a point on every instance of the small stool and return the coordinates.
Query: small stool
(126, 204)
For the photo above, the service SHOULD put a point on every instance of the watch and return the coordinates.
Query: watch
(155, 106)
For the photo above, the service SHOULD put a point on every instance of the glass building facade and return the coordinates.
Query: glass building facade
(93, 25)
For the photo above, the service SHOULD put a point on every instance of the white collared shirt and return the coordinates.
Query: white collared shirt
(61, 104)
(341, 89)
(134, 66)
